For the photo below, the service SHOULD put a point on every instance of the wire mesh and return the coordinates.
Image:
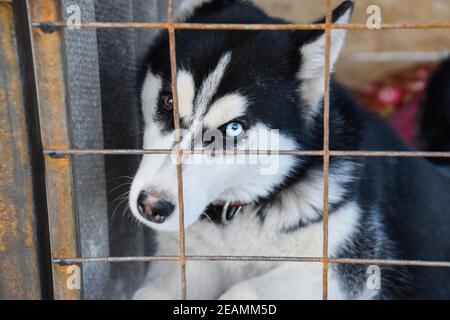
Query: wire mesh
(171, 26)
(176, 120)
(204, 26)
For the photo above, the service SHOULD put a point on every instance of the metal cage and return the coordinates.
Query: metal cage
(46, 31)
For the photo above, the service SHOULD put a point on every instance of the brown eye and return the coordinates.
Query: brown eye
(167, 102)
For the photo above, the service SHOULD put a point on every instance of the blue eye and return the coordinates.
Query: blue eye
(234, 129)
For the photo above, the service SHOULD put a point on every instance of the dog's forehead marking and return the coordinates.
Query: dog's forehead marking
(225, 109)
(186, 93)
(149, 96)
(209, 86)
(192, 104)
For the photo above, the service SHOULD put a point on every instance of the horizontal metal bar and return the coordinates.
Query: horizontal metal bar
(59, 153)
(167, 25)
(49, 25)
(66, 261)
(418, 263)
(421, 154)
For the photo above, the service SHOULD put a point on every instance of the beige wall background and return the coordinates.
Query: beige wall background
(433, 42)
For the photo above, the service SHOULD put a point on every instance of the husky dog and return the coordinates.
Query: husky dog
(242, 85)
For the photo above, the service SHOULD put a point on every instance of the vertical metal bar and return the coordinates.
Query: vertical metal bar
(326, 147)
(179, 168)
(19, 267)
(51, 94)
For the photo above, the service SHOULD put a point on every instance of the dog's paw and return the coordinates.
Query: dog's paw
(152, 293)
(241, 291)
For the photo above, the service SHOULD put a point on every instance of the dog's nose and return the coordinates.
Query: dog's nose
(155, 210)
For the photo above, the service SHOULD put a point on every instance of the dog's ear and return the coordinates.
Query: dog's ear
(311, 45)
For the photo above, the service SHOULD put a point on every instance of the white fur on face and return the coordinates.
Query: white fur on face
(221, 177)
(210, 86)
(225, 109)
(227, 178)
(186, 93)
(312, 71)
(149, 97)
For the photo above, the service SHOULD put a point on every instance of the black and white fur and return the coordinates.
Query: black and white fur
(380, 208)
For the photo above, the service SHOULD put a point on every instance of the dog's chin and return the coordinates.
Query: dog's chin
(170, 225)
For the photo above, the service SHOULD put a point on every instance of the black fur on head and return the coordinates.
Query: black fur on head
(264, 67)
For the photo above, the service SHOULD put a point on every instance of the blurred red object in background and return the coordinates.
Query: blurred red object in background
(397, 98)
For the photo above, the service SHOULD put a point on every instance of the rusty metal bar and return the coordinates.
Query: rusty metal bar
(19, 265)
(423, 154)
(411, 263)
(60, 153)
(326, 146)
(57, 154)
(179, 168)
(52, 25)
(51, 94)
